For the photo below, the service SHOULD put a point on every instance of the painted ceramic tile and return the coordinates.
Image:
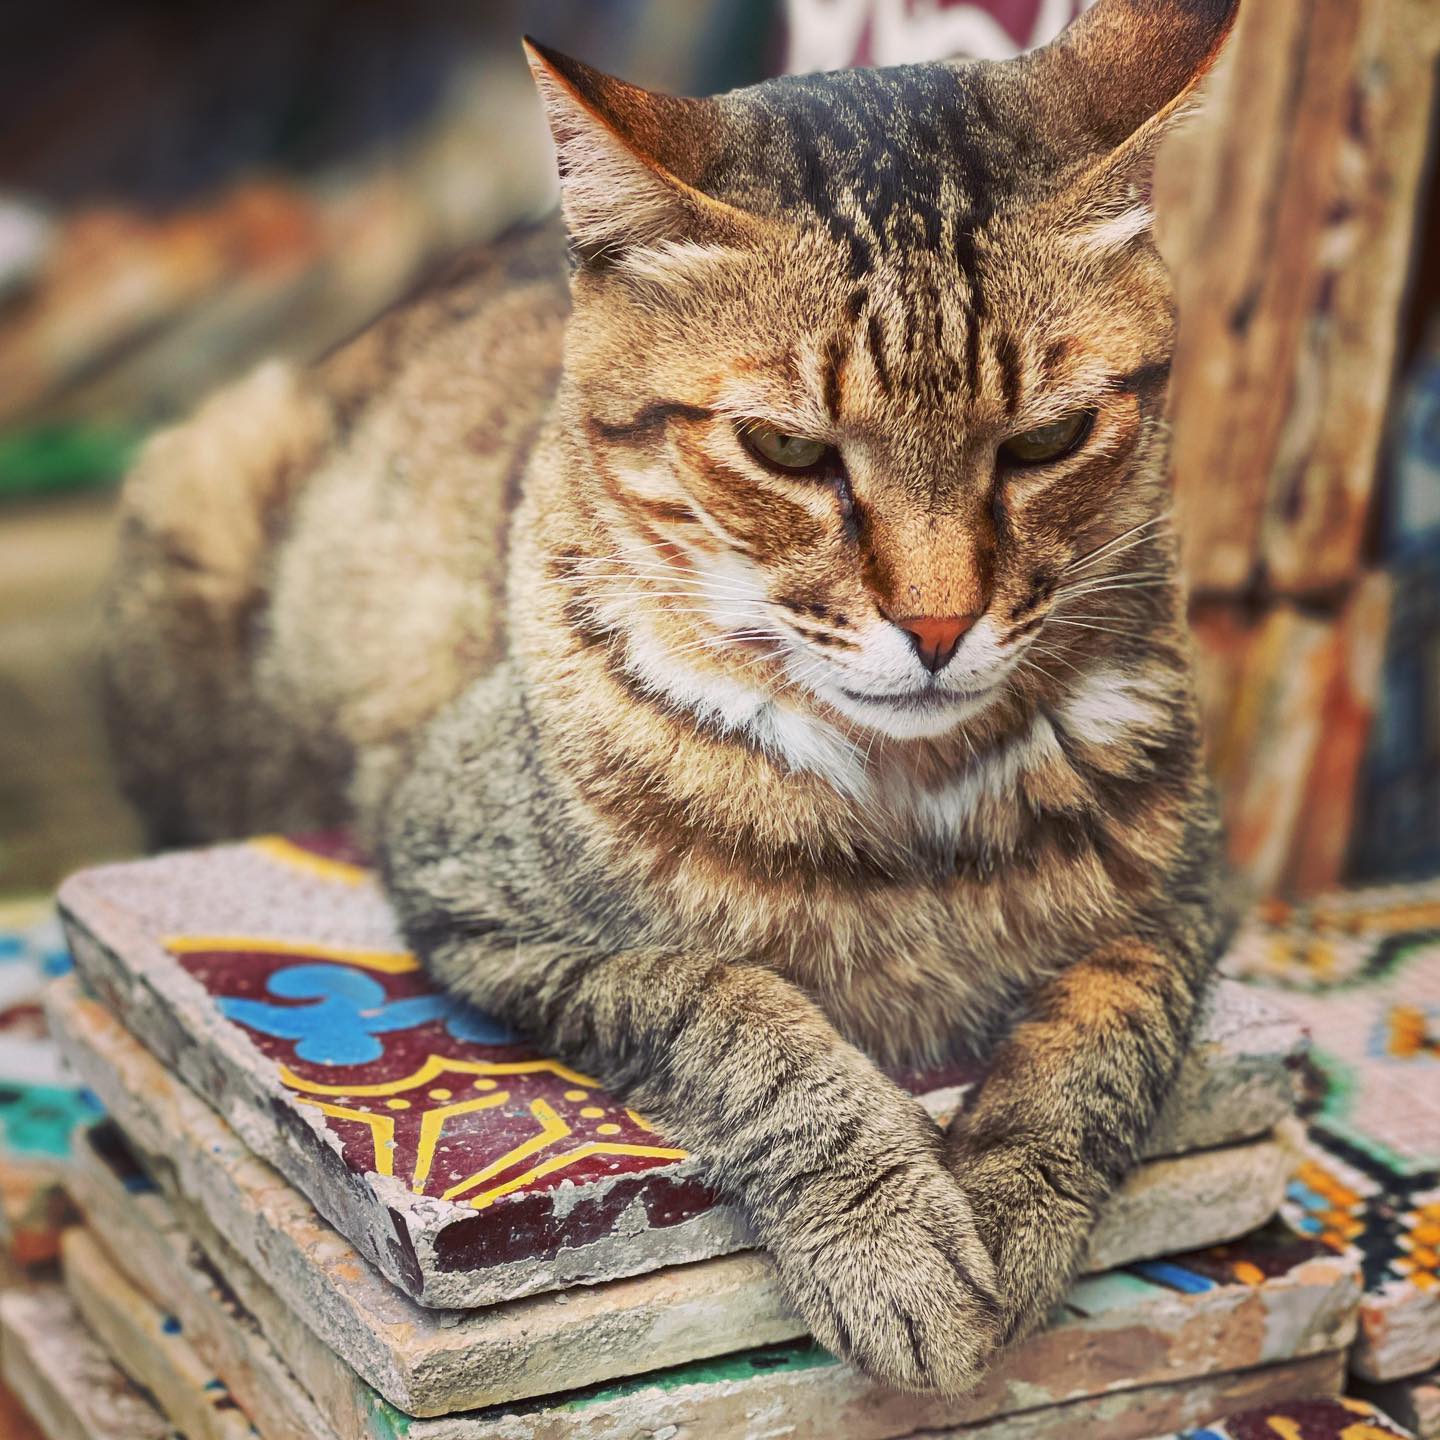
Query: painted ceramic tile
(41, 1102)
(1350, 1200)
(1361, 970)
(270, 977)
(1321, 1419)
(414, 1086)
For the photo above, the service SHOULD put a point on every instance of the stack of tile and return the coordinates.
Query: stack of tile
(332, 1205)
(40, 1106)
(1361, 971)
(40, 1102)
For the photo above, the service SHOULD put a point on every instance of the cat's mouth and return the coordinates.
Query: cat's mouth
(926, 701)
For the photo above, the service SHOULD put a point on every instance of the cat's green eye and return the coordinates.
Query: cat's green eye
(782, 451)
(1048, 442)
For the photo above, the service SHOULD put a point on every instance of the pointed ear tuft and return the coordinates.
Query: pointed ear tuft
(1126, 66)
(627, 157)
(1109, 87)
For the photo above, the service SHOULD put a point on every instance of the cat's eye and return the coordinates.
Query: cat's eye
(1048, 442)
(782, 451)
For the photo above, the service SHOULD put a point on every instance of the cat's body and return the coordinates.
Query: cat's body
(758, 766)
(325, 547)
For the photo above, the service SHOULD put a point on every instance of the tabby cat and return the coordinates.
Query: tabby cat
(835, 713)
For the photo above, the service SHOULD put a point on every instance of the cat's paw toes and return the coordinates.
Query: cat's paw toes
(892, 1277)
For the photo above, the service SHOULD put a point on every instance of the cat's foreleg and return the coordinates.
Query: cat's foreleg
(839, 1172)
(1071, 1097)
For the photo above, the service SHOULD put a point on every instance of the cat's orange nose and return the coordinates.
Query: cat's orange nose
(935, 637)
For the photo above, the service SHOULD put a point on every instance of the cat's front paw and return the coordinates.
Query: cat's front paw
(891, 1275)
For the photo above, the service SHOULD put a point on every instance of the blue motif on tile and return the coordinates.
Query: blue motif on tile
(56, 962)
(41, 946)
(1177, 1277)
(1201, 1435)
(349, 1011)
(41, 1119)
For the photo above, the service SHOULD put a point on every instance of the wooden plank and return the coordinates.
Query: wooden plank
(1288, 214)
(1264, 727)
(1287, 698)
(1318, 850)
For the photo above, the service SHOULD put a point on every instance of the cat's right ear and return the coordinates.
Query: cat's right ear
(627, 159)
(1116, 76)
(1109, 88)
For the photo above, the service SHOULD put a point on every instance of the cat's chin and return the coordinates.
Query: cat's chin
(915, 715)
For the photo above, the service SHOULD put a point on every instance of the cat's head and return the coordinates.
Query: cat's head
(862, 364)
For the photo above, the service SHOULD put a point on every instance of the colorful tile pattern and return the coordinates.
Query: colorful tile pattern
(413, 1083)
(41, 1103)
(335, 1032)
(1361, 971)
(1345, 1197)
(1341, 1419)
(1265, 1255)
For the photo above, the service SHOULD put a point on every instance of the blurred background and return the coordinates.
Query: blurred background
(185, 189)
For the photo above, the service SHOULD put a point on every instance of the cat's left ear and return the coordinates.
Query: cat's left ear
(1113, 83)
(628, 159)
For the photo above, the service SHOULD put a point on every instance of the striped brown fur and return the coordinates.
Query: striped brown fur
(653, 768)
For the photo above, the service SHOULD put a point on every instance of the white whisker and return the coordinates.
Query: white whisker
(1156, 584)
(1104, 629)
(1101, 551)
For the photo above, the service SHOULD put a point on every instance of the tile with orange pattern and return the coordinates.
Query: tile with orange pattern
(1361, 971)
(1352, 1201)
(1325, 1418)
(467, 1166)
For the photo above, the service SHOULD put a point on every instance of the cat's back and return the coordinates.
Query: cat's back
(387, 590)
(314, 560)
(510, 296)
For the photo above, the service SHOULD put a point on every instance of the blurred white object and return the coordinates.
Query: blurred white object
(25, 233)
(830, 34)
